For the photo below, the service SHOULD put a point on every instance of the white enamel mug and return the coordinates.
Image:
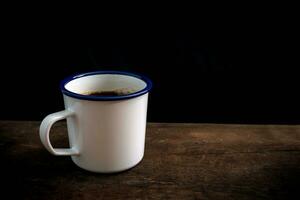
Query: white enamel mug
(106, 133)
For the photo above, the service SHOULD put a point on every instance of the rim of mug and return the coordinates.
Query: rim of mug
(105, 98)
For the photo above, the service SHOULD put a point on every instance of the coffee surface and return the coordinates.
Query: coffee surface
(106, 93)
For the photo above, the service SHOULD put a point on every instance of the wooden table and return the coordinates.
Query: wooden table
(182, 161)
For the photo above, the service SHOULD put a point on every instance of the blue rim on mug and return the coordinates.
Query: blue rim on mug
(106, 98)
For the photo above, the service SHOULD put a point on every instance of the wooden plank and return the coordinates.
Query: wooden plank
(182, 161)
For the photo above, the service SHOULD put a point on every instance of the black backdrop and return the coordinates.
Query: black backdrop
(225, 75)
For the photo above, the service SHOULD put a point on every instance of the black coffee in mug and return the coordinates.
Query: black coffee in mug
(107, 93)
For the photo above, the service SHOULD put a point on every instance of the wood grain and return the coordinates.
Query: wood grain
(182, 161)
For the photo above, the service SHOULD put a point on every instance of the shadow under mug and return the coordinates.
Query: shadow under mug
(106, 133)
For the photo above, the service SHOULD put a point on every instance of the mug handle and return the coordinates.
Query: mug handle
(45, 129)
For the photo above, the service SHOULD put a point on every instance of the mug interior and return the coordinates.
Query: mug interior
(105, 82)
(126, 84)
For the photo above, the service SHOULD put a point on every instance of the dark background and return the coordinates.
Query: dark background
(211, 71)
